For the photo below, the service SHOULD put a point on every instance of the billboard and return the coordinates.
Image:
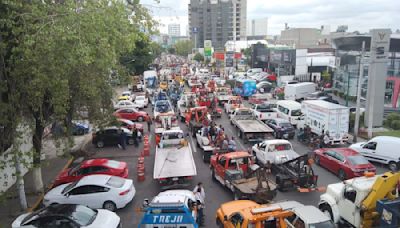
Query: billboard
(229, 57)
(207, 48)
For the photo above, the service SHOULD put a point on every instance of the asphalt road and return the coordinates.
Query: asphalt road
(215, 193)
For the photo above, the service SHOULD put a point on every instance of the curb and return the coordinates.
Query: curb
(40, 199)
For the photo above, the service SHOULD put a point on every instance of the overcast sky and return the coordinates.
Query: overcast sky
(360, 15)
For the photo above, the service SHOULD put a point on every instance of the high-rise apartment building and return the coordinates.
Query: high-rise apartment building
(257, 27)
(217, 20)
(174, 29)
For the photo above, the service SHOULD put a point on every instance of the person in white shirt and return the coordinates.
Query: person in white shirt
(199, 194)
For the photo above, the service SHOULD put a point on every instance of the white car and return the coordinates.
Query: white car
(274, 151)
(94, 191)
(126, 104)
(141, 101)
(68, 215)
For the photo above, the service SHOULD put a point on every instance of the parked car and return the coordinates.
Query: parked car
(346, 163)
(131, 114)
(126, 95)
(141, 101)
(77, 128)
(95, 191)
(68, 215)
(126, 104)
(282, 128)
(110, 137)
(382, 149)
(130, 125)
(315, 95)
(92, 166)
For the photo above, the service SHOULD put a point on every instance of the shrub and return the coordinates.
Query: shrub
(395, 125)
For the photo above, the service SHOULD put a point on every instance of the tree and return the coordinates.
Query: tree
(63, 60)
(198, 57)
(183, 47)
(171, 50)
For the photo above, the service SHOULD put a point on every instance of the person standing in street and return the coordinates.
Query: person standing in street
(135, 135)
(200, 207)
(122, 137)
(149, 122)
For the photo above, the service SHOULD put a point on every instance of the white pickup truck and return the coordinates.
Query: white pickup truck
(232, 103)
(264, 112)
(173, 164)
(204, 143)
(276, 151)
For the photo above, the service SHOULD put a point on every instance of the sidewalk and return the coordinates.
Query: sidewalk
(51, 166)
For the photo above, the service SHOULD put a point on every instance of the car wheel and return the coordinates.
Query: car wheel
(317, 160)
(109, 205)
(81, 132)
(327, 210)
(140, 118)
(100, 144)
(341, 174)
(393, 166)
(131, 141)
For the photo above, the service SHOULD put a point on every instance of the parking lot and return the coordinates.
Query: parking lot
(216, 194)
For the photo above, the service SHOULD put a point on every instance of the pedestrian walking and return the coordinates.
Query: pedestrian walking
(200, 207)
(149, 122)
(135, 135)
(202, 192)
(122, 139)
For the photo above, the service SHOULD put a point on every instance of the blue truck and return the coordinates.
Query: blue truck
(245, 88)
(172, 208)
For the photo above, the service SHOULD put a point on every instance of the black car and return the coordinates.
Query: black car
(316, 95)
(328, 99)
(111, 137)
(282, 128)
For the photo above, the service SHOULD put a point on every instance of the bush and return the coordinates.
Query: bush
(395, 125)
(391, 120)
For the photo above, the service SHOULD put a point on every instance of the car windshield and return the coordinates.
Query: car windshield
(263, 108)
(163, 107)
(116, 182)
(82, 215)
(74, 169)
(69, 187)
(357, 160)
(326, 224)
(296, 112)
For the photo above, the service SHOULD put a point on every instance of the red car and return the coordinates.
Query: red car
(131, 114)
(346, 163)
(130, 125)
(93, 166)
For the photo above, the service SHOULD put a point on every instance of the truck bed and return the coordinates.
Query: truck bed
(174, 162)
(252, 126)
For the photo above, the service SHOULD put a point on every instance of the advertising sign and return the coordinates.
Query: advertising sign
(229, 57)
(207, 47)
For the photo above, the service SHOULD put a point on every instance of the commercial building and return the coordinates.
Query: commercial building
(301, 37)
(346, 76)
(257, 27)
(217, 20)
(174, 29)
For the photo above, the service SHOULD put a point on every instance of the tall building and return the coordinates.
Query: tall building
(174, 29)
(217, 20)
(257, 27)
(301, 37)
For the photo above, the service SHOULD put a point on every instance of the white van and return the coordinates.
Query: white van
(289, 110)
(382, 149)
(299, 91)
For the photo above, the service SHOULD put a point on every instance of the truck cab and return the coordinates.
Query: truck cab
(233, 103)
(169, 209)
(264, 112)
(195, 117)
(275, 151)
(354, 201)
(230, 166)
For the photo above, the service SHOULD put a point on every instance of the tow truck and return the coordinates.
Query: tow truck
(196, 118)
(353, 202)
(249, 128)
(205, 145)
(186, 102)
(172, 208)
(222, 94)
(297, 174)
(173, 163)
(246, 180)
(165, 121)
(207, 100)
(233, 103)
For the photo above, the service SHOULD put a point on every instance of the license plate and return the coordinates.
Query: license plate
(175, 178)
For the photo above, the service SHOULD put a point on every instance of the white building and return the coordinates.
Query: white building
(257, 27)
(174, 29)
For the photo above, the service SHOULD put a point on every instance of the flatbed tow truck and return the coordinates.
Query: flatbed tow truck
(174, 165)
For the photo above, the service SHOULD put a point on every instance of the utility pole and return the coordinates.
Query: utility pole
(360, 77)
(348, 88)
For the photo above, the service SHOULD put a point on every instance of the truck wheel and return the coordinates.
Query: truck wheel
(393, 166)
(213, 175)
(341, 174)
(327, 210)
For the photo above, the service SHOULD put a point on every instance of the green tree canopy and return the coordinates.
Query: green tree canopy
(198, 57)
(183, 47)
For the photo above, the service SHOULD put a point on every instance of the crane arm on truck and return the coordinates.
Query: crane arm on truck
(383, 188)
